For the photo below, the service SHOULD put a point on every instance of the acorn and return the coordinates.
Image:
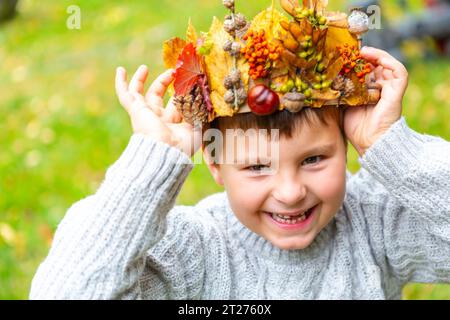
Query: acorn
(293, 101)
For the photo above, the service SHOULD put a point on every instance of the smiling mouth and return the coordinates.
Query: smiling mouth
(292, 219)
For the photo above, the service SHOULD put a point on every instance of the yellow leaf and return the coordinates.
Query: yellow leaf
(338, 37)
(171, 51)
(334, 67)
(191, 34)
(269, 20)
(221, 108)
(326, 95)
(360, 96)
(218, 64)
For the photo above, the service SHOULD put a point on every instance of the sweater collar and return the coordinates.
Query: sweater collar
(256, 245)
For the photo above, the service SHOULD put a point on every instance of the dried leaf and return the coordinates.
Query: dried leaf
(289, 6)
(270, 21)
(328, 94)
(338, 37)
(337, 19)
(191, 34)
(218, 64)
(360, 96)
(188, 70)
(334, 67)
(171, 51)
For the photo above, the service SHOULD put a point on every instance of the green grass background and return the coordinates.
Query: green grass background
(61, 125)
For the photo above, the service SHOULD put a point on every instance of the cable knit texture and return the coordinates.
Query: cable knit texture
(130, 241)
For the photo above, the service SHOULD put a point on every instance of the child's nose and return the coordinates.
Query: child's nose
(289, 190)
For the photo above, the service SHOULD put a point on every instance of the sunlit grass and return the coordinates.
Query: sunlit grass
(62, 125)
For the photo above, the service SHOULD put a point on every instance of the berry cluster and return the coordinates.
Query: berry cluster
(353, 61)
(260, 54)
(314, 17)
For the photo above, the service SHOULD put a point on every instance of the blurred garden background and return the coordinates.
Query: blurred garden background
(61, 125)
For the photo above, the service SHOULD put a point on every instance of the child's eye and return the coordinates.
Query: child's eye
(257, 168)
(312, 160)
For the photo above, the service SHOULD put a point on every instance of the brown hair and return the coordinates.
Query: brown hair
(285, 121)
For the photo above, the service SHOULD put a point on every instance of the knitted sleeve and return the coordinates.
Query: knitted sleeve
(414, 210)
(100, 246)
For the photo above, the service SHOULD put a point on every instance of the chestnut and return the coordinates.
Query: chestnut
(262, 100)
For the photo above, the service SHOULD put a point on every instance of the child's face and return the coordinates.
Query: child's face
(310, 177)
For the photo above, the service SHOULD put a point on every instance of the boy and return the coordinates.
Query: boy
(308, 231)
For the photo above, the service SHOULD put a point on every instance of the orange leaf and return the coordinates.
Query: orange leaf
(171, 51)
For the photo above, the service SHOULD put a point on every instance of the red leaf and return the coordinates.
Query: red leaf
(188, 70)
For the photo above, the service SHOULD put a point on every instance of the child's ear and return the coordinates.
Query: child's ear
(213, 168)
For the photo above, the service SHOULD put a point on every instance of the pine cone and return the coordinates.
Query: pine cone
(229, 4)
(228, 45)
(241, 20)
(235, 49)
(228, 82)
(349, 88)
(338, 83)
(229, 97)
(344, 85)
(230, 26)
(241, 96)
(192, 106)
(235, 77)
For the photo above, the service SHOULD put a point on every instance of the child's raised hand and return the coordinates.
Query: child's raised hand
(364, 125)
(148, 115)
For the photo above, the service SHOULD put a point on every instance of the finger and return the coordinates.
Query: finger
(122, 88)
(388, 74)
(159, 87)
(156, 103)
(138, 81)
(171, 113)
(141, 103)
(398, 69)
(378, 73)
(384, 59)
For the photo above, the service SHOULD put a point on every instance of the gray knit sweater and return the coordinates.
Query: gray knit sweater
(130, 241)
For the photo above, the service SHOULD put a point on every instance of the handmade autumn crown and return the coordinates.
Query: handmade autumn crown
(271, 63)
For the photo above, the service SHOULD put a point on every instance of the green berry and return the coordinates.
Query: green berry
(284, 88)
(310, 52)
(320, 67)
(308, 38)
(304, 86)
(322, 21)
(308, 93)
(305, 45)
(319, 57)
(326, 84)
(318, 78)
(311, 12)
(317, 86)
(323, 77)
(298, 83)
(303, 55)
(290, 85)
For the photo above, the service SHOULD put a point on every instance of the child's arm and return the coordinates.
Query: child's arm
(100, 246)
(410, 215)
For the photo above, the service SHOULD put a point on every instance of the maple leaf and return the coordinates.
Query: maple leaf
(188, 70)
